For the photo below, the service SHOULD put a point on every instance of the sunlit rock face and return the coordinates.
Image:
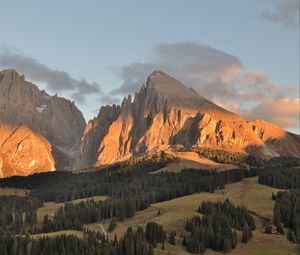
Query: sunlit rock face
(51, 119)
(165, 113)
(23, 152)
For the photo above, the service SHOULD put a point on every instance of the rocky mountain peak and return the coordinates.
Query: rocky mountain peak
(11, 73)
(166, 113)
(172, 93)
(169, 87)
(55, 119)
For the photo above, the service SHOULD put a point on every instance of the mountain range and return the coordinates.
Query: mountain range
(39, 132)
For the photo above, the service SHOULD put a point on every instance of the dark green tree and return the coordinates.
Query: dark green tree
(112, 224)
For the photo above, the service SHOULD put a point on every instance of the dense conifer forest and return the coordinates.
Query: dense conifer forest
(132, 189)
(287, 205)
(217, 228)
(65, 186)
(287, 214)
(281, 178)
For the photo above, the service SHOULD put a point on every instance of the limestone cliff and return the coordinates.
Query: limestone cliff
(165, 113)
(51, 119)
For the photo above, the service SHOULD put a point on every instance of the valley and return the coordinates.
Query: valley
(173, 215)
(170, 213)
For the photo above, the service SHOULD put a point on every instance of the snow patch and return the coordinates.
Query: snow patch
(41, 108)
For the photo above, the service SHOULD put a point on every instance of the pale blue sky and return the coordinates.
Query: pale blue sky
(95, 39)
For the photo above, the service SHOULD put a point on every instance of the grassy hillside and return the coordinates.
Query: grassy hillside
(78, 234)
(173, 215)
(191, 160)
(13, 192)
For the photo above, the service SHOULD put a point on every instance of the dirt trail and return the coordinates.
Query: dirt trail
(102, 229)
(263, 220)
(246, 187)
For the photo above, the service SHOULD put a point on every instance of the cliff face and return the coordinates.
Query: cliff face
(55, 124)
(94, 132)
(165, 113)
(23, 152)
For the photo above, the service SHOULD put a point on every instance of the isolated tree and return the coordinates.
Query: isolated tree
(291, 236)
(280, 229)
(112, 224)
(184, 240)
(246, 235)
(172, 239)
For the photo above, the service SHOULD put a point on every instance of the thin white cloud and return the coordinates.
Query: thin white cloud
(285, 12)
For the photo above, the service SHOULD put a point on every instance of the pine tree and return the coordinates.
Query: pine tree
(184, 240)
(291, 236)
(234, 239)
(112, 225)
(246, 234)
(277, 215)
(150, 250)
(172, 239)
(218, 243)
(227, 245)
(280, 229)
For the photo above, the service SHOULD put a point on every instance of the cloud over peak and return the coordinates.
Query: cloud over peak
(56, 80)
(187, 61)
(218, 76)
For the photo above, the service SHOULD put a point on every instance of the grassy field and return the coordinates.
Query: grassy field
(175, 212)
(51, 207)
(191, 160)
(78, 234)
(13, 192)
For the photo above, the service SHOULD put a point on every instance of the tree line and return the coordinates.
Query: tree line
(18, 214)
(65, 186)
(286, 213)
(281, 178)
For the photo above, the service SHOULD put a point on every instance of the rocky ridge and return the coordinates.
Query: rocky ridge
(166, 114)
(39, 132)
(50, 123)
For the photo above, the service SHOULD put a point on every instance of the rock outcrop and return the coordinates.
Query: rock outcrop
(50, 123)
(165, 113)
(23, 152)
